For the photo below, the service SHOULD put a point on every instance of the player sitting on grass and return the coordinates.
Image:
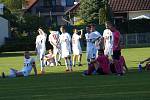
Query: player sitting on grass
(29, 63)
(49, 58)
(122, 63)
(101, 65)
(147, 66)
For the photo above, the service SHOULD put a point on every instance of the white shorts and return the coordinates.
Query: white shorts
(108, 51)
(41, 53)
(65, 54)
(91, 53)
(77, 51)
(12, 73)
(25, 72)
(56, 51)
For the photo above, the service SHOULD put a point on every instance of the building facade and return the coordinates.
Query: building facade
(4, 31)
(52, 10)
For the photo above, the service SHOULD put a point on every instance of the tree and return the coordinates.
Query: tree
(13, 5)
(29, 23)
(97, 11)
(105, 13)
(89, 10)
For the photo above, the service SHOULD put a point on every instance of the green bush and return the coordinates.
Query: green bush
(19, 44)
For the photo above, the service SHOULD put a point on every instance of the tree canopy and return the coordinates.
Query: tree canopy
(13, 5)
(96, 11)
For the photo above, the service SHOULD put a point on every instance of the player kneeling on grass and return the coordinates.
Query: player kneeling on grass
(100, 65)
(29, 63)
(49, 58)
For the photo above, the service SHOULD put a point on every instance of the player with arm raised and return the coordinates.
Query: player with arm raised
(93, 41)
(96, 38)
(54, 39)
(41, 48)
(76, 47)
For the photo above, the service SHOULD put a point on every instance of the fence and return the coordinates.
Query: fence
(136, 39)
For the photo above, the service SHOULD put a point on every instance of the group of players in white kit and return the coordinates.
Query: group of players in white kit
(62, 47)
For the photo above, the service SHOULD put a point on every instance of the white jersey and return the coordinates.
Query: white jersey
(65, 40)
(89, 40)
(54, 39)
(91, 48)
(27, 66)
(98, 37)
(108, 37)
(40, 43)
(76, 47)
(108, 41)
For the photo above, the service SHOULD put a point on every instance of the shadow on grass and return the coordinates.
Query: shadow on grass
(80, 73)
(14, 54)
(136, 61)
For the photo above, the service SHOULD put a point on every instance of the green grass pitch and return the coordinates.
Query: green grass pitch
(56, 84)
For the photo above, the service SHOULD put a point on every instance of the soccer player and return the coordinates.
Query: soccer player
(97, 36)
(65, 40)
(123, 64)
(55, 42)
(41, 48)
(116, 48)
(89, 44)
(76, 47)
(108, 40)
(29, 63)
(92, 36)
(147, 66)
(100, 65)
(49, 58)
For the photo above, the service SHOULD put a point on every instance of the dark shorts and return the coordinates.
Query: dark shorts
(112, 68)
(116, 54)
(101, 72)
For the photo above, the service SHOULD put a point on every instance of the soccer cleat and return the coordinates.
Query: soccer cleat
(59, 63)
(80, 65)
(84, 73)
(67, 70)
(74, 65)
(42, 72)
(71, 70)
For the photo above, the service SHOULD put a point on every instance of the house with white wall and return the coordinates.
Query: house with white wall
(4, 31)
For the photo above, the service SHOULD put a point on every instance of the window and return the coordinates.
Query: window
(70, 2)
(46, 2)
(53, 2)
(63, 3)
